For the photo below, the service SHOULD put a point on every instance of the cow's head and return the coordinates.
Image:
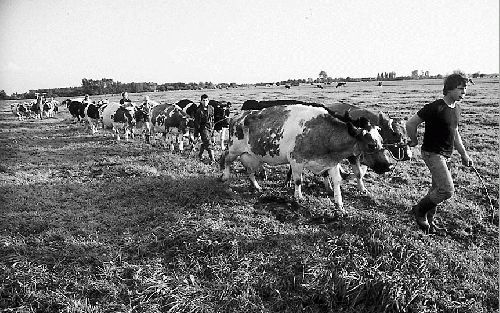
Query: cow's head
(369, 142)
(393, 132)
(129, 114)
(378, 161)
(184, 120)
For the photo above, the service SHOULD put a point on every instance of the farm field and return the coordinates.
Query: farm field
(89, 224)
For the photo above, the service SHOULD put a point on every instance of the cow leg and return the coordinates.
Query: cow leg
(180, 141)
(327, 181)
(223, 134)
(213, 139)
(288, 178)
(297, 180)
(225, 163)
(252, 165)
(334, 174)
(117, 132)
(171, 142)
(360, 171)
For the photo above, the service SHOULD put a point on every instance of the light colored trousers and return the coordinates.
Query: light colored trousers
(442, 184)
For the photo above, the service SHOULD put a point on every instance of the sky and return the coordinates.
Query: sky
(56, 43)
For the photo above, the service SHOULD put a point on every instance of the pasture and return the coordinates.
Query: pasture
(89, 224)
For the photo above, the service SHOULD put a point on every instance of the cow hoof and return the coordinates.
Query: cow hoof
(365, 192)
(340, 208)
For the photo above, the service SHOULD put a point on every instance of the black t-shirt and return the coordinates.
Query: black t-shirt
(441, 122)
(204, 118)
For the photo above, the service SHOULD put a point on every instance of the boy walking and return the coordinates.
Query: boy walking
(441, 137)
(203, 125)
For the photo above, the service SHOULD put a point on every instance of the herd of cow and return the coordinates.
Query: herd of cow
(304, 135)
(35, 109)
(148, 118)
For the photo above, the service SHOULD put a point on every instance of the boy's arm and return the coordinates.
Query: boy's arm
(411, 129)
(459, 145)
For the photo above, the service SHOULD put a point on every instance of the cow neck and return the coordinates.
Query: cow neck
(344, 144)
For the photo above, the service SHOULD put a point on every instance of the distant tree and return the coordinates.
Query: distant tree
(460, 72)
(323, 75)
(3, 95)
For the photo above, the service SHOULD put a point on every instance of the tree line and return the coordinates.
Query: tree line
(109, 86)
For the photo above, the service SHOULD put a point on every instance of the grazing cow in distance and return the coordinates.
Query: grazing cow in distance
(24, 110)
(124, 121)
(303, 136)
(37, 107)
(14, 107)
(340, 84)
(48, 109)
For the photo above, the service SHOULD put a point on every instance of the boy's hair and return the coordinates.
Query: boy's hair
(204, 96)
(453, 81)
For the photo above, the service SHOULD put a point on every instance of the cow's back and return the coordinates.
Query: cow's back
(277, 133)
(259, 105)
(75, 108)
(108, 114)
(354, 112)
(92, 111)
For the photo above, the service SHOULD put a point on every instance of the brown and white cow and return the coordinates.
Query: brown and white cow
(303, 136)
(393, 132)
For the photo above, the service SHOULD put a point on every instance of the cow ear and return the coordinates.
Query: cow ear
(380, 118)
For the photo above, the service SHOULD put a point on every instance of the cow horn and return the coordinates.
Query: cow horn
(353, 130)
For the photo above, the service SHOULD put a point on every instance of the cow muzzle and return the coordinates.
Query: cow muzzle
(399, 151)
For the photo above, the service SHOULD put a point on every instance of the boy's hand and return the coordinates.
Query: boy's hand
(467, 161)
(413, 143)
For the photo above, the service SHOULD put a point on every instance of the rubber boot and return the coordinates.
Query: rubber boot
(434, 228)
(420, 211)
(211, 155)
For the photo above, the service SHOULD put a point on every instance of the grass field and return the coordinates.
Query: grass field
(89, 224)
